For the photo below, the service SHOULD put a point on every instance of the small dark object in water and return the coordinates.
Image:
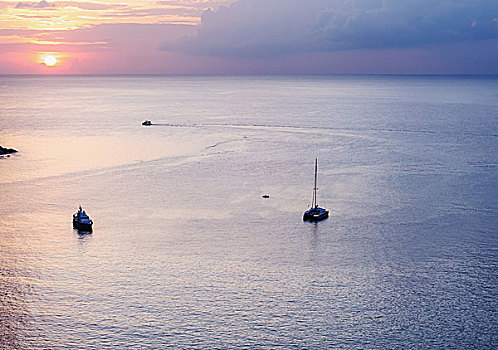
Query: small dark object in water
(7, 150)
(81, 221)
(147, 123)
(265, 196)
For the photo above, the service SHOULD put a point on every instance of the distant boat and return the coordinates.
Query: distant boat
(147, 123)
(6, 151)
(81, 221)
(265, 196)
(315, 213)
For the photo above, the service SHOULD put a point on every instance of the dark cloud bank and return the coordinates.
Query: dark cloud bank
(270, 28)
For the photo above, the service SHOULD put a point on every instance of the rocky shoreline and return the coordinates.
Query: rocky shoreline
(7, 151)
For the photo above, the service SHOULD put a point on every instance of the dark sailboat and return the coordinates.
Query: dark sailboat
(315, 213)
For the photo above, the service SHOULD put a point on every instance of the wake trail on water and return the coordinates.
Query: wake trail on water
(167, 161)
(323, 128)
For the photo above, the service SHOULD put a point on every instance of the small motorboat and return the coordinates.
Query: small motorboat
(147, 123)
(81, 221)
(265, 196)
(315, 213)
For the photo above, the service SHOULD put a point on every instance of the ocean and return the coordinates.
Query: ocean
(187, 254)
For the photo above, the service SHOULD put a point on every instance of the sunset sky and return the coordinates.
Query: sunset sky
(249, 37)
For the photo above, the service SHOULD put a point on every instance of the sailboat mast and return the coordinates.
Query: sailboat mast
(314, 188)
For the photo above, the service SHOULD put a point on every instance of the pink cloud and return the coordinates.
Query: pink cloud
(34, 5)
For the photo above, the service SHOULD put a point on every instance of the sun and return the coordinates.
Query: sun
(50, 61)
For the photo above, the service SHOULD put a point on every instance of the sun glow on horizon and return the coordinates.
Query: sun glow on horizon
(50, 61)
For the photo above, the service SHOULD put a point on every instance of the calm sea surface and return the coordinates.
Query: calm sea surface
(187, 254)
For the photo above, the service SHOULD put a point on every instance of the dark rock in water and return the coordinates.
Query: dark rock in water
(7, 150)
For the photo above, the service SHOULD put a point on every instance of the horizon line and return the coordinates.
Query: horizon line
(244, 75)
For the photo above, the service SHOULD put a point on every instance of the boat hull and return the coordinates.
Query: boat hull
(87, 227)
(316, 214)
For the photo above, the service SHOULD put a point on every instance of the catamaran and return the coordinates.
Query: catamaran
(315, 213)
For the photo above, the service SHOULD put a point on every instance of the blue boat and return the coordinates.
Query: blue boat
(81, 221)
(315, 213)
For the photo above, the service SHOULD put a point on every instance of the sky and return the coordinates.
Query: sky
(249, 37)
